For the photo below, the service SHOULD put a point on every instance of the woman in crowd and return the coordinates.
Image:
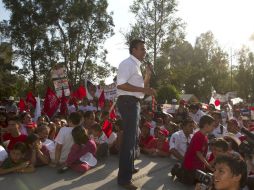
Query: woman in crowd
(82, 145)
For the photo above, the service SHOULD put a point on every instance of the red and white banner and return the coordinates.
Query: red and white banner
(51, 102)
(62, 84)
(110, 91)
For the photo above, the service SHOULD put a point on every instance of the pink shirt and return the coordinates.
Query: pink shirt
(79, 150)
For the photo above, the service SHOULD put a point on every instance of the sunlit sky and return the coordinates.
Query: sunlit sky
(231, 22)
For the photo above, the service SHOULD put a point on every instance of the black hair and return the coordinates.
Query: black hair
(237, 166)
(87, 114)
(217, 113)
(32, 138)
(194, 107)
(75, 118)
(187, 121)
(205, 119)
(232, 142)
(134, 43)
(21, 147)
(221, 143)
(79, 135)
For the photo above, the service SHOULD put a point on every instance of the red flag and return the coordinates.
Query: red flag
(31, 99)
(51, 102)
(101, 101)
(107, 128)
(112, 111)
(81, 92)
(22, 105)
(63, 106)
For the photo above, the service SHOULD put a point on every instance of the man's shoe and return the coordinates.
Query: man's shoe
(129, 186)
(135, 170)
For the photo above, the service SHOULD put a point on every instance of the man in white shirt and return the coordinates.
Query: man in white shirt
(180, 140)
(195, 113)
(131, 88)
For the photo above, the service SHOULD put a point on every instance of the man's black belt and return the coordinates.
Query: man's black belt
(128, 97)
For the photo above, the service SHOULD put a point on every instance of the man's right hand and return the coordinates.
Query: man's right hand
(149, 91)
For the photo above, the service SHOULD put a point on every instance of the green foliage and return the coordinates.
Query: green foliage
(44, 33)
(245, 73)
(195, 70)
(8, 78)
(156, 24)
(167, 93)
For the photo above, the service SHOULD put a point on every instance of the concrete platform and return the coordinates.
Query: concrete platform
(154, 174)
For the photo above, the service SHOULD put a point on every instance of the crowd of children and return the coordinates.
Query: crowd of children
(196, 138)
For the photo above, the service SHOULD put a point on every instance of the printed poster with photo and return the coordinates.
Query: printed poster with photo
(62, 84)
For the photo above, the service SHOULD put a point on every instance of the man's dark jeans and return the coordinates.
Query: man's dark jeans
(129, 109)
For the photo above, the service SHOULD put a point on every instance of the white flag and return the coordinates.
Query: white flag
(37, 112)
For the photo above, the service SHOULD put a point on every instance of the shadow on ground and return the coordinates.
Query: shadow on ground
(154, 174)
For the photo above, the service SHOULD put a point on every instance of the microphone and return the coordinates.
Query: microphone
(150, 66)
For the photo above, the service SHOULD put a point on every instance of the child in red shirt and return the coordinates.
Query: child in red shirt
(195, 156)
(159, 146)
(13, 133)
(145, 137)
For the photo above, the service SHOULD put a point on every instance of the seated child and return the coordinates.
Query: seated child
(219, 147)
(101, 141)
(16, 162)
(37, 153)
(13, 133)
(195, 156)
(117, 128)
(145, 137)
(43, 133)
(159, 146)
(82, 145)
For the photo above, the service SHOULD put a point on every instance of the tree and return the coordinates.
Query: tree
(44, 33)
(245, 73)
(79, 29)
(197, 69)
(155, 23)
(26, 30)
(7, 71)
(167, 93)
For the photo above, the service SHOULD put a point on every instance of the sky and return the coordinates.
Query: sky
(231, 22)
